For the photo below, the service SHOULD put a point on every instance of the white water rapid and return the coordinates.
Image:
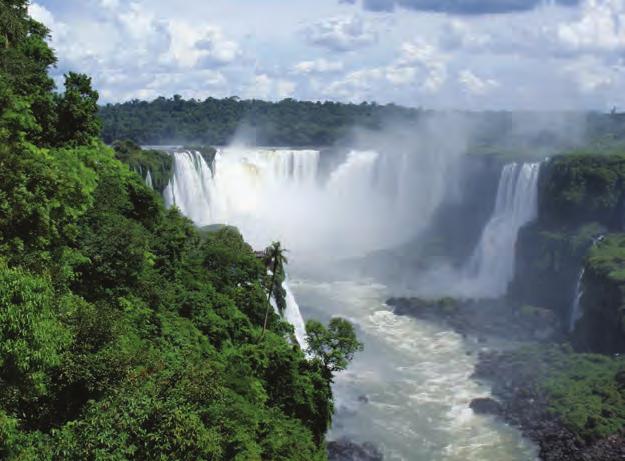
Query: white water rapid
(409, 391)
(491, 268)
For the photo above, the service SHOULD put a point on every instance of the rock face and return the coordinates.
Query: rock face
(482, 318)
(602, 326)
(580, 198)
(486, 406)
(547, 265)
(346, 450)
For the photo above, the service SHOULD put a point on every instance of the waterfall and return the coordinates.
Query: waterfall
(148, 180)
(191, 187)
(576, 311)
(293, 315)
(576, 305)
(354, 177)
(491, 267)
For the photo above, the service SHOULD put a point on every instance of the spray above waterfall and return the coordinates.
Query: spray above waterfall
(375, 198)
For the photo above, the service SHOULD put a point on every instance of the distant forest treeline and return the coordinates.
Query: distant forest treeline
(304, 123)
(217, 121)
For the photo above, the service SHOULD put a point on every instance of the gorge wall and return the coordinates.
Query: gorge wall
(563, 262)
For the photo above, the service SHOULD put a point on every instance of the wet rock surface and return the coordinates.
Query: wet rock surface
(482, 318)
(346, 450)
(486, 406)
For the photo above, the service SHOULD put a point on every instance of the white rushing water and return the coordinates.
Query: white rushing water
(491, 268)
(576, 310)
(148, 180)
(409, 391)
(368, 202)
(293, 315)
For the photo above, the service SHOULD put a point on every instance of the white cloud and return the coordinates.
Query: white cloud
(428, 61)
(591, 75)
(551, 56)
(342, 33)
(459, 34)
(318, 66)
(200, 46)
(42, 14)
(419, 69)
(265, 87)
(601, 26)
(474, 84)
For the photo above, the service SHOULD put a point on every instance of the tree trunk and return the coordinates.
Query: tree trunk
(273, 281)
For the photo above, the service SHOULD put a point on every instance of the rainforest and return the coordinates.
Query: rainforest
(272, 278)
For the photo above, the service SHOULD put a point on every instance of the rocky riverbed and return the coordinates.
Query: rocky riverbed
(482, 318)
(520, 401)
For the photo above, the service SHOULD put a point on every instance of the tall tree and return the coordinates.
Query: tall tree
(333, 346)
(78, 123)
(275, 259)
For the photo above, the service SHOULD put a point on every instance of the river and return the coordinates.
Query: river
(409, 391)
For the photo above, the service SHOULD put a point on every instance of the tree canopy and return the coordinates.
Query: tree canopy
(125, 331)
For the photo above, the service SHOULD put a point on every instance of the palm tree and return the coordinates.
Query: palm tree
(275, 259)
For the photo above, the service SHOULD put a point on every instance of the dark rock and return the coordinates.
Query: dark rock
(486, 406)
(363, 399)
(522, 404)
(346, 450)
(482, 318)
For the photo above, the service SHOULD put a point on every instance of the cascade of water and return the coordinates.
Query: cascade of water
(354, 177)
(191, 187)
(576, 311)
(148, 180)
(293, 315)
(491, 268)
(576, 306)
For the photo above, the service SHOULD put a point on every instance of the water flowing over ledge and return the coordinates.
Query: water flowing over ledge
(491, 268)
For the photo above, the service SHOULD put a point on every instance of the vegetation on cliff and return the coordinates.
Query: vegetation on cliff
(602, 326)
(159, 164)
(583, 186)
(583, 392)
(125, 332)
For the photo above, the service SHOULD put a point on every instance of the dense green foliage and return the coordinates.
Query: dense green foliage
(586, 391)
(335, 345)
(125, 332)
(160, 165)
(584, 186)
(608, 257)
(217, 121)
(602, 327)
(304, 123)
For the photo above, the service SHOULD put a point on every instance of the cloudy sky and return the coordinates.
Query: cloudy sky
(475, 54)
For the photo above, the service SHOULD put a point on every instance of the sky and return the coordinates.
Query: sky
(437, 54)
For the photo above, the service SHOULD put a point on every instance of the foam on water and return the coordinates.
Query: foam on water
(416, 377)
